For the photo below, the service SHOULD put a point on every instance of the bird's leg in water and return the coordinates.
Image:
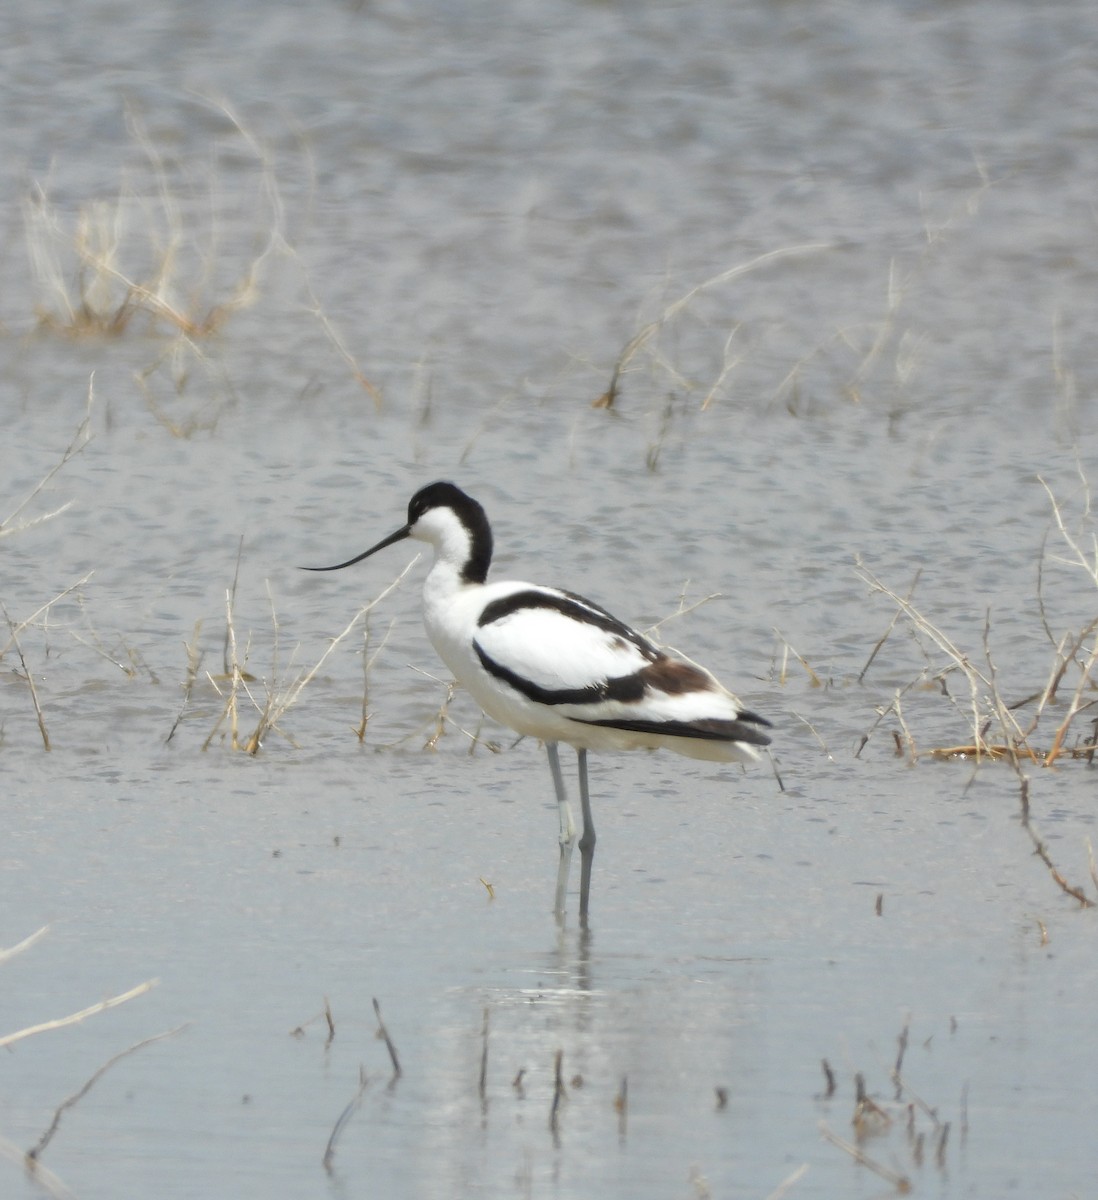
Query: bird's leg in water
(587, 838)
(567, 828)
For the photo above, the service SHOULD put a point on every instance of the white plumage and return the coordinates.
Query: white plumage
(555, 666)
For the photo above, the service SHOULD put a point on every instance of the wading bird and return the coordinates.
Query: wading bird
(552, 665)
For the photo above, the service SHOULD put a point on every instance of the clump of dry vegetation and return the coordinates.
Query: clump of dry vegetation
(150, 260)
(906, 1114)
(135, 257)
(250, 707)
(1048, 720)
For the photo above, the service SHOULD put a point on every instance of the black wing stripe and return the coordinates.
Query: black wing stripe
(713, 730)
(626, 688)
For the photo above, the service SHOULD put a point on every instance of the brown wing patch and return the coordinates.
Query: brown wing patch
(674, 677)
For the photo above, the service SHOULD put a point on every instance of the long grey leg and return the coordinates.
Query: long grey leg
(567, 828)
(587, 839)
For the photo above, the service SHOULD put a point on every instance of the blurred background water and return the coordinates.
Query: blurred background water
(835, 263)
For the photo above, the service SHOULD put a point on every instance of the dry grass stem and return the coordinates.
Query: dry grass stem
(788, 1183)
(442, 717)
(787, 651)
(996, 730)
(1075, 707)
(234, 670)
(888, 632)
(815, 733)
(280, 702)
(26, 622)
(609, 398)
(729, 362)
(25, 944)
(984, 699)
(653, 631)
(89, 293)
(194, 661)
(75, 1018)
(80, 439)
(29, 677)
(36, 1151)
(368, 661)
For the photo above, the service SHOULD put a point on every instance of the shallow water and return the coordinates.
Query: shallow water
(485, 210)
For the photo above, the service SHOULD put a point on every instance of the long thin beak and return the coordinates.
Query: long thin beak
(399, 536)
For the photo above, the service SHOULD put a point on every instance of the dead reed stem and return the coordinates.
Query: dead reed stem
(787, 650)
(788, 1182)
(609, 398)
(29, 677)
(368, 661)
(26, 622)
(1041, 850)
(75, 1018)
(888, 632)
(25, 944)
(194, 661)
(1074, 707)
(280, 702)
(80, 440)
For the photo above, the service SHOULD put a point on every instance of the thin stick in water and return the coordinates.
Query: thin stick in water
(900, 1182)
(558, 1090)
(36, 1151)
(483, 1082)
(344, 1117)
(75, 1018)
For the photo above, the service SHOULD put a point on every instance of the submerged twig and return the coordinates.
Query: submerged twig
(1041, 850)
(558, 1090)
(482, 1083)
(36, 1151)
(383, 1033)
(343, 1118)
